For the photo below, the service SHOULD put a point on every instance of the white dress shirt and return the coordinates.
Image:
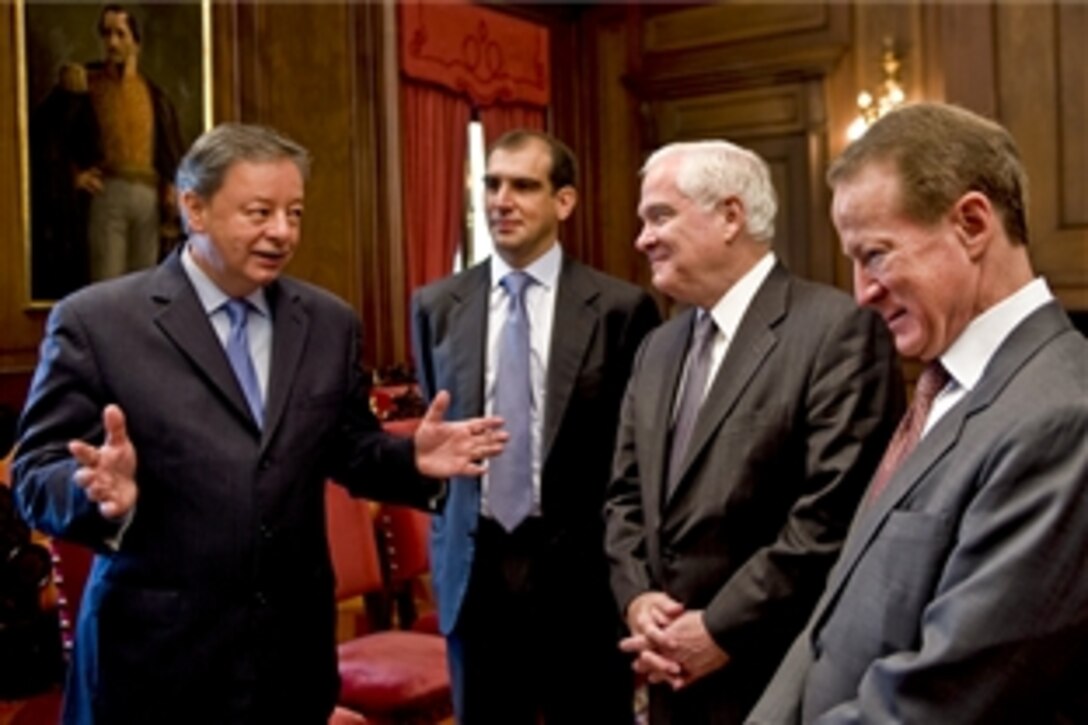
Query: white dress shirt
(727, 313)
(966, 358)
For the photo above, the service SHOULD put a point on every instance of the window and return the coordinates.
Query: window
(477, 246)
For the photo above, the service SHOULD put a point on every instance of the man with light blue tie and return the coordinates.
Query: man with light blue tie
(518, 564)
(182, 423)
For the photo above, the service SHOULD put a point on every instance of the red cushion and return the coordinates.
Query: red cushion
(394, 671)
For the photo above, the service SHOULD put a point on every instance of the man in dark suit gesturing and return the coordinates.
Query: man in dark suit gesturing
(518, 560)
(182, 422)
(961, 595)
(739, 462)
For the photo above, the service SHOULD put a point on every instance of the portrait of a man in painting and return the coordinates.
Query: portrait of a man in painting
(114, 98)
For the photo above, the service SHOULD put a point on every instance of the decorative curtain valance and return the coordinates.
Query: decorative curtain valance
(490, 57)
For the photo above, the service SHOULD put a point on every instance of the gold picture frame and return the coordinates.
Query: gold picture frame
(61, 56)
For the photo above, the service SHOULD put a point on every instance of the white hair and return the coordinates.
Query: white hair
(714, 170)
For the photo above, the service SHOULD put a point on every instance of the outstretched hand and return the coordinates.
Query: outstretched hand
(455, 448)
(107, 474)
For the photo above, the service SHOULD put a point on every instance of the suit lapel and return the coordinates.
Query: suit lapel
(573, 326)
(661, 387)
(182, 319)
(754, 340)
(1034, 332)
(290, 326)
(468, 322)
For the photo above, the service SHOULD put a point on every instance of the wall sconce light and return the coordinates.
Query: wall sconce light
(887, 96)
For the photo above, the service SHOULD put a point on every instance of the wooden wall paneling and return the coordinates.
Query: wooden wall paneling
(1041, 104)
(20, 325)
(377, 188)
(618, 149)
(570, 99)
(724, 46)
(709, 26)
(1072, 22)
(303, 71)
(967, 56)
(226, 62)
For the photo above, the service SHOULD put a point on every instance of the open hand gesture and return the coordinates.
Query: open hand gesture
(107, 474)
(455, 448)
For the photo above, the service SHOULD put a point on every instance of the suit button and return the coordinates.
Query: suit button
(266, 463)
(266, 532)
(260, 599)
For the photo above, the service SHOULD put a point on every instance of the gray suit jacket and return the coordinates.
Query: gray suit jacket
(785, 442)
(220, 597)
(961, 594)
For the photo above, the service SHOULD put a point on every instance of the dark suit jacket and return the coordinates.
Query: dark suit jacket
(961, 594)
(785, 442)
(599, 322)
(219, 604)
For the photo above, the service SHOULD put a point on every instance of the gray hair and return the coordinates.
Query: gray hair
(714, 170)
(205, 165)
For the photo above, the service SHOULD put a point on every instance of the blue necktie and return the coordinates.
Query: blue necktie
(698, 368)
(240, 359)
(510, 480)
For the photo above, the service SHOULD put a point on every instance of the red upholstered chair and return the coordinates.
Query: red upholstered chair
(404, 534)
(390, 676)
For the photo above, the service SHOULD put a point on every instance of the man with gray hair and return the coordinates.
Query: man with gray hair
(750, 427)
(182, 423)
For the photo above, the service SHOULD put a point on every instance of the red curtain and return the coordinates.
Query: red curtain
(488, 56)
(497, 120)
(435, 140)
(455, 56)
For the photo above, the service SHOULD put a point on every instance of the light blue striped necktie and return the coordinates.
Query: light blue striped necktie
(240, 359)
(510, 480)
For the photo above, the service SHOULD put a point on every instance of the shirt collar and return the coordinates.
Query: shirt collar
(729, 310)
(211, 297)
(967, 357)
(544, 270)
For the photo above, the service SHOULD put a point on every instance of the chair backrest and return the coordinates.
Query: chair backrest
(352, 543)
(405, 534)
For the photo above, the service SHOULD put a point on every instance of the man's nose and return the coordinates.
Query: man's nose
(866, 287)
(645, 238)
(279, 226)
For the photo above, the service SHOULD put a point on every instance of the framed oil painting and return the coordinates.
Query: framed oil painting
(111, 96)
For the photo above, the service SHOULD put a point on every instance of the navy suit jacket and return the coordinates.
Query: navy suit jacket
(219, 602)
(598, 324)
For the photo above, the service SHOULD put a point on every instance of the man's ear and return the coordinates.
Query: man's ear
(565, 201)
(733, 215)
(975, 221)
(195, 209)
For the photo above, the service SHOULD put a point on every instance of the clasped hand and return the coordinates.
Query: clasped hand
(671, 645)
